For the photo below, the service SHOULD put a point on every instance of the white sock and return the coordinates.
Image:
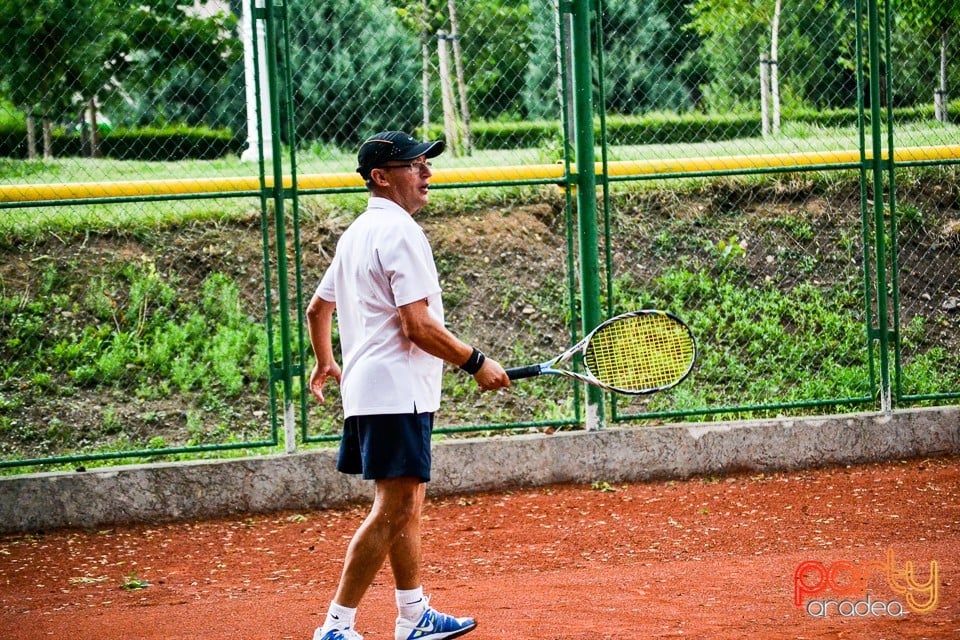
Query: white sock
(411, 603)
(340, 617)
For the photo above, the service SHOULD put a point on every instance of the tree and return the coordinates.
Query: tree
(355, 70)
(641, 59)
(937, 20)
(814, 53)
(54, 54)
(541, 89)
(737, 19)
(433, 20)
(60, 56)
(461, 80)
(490, 51)
(423, 17)
(181, 63)
(496, 47)
(817, 50)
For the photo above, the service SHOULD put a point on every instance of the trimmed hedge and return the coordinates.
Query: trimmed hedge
(167, 144)
(621, 130)
(181, 143)
(171, 144)
(672, 128)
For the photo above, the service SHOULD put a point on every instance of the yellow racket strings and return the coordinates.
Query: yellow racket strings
(648, 351)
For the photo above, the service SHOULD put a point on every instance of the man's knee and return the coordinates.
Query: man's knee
(398, 502)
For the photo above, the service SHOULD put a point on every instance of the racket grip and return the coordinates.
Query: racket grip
(523, 372)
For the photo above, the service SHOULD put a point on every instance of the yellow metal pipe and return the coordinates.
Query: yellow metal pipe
(133, 188)
(773, 160)
(128, 188)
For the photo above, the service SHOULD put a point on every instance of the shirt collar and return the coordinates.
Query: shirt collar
(386, 204)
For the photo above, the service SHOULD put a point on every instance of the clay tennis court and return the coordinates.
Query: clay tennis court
(700, 558)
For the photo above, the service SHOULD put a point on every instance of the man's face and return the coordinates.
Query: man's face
(405, 182)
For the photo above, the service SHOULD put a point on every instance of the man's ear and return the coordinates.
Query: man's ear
(379, 177)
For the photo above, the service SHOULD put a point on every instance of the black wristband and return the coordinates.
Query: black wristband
(473, 364)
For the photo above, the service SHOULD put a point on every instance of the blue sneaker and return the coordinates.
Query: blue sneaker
(433, 625)
(337, 634)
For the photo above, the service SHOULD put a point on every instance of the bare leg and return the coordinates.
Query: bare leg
(406, 552)
(396, 506)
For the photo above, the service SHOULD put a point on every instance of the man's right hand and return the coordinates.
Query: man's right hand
(319, 375)
(491, 376)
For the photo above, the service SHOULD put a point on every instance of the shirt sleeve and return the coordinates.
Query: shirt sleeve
(408, 262)
(327, 288)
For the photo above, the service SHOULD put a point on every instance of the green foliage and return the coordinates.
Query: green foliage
(351, 60)
(56, 56)
(356, 67)
(132, 582)
(541, 88)
(10, 117)
(166, 144)
(815, 47)
(641, 75)
(210, 345)
(186, 71)
(496, 52)
(729, 251)
(50, 51)
(759, 342)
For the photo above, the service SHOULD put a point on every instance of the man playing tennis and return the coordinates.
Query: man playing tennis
(384, 287)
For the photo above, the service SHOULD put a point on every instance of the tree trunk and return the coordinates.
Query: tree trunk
(774, 70)
(31, 135)
(47, 137)
(461, 79)
(425, 75)
(764, 95)
(940, 94)
(94, 129)
(450, 125)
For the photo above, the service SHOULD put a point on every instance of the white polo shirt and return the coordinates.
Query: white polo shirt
(383, 261)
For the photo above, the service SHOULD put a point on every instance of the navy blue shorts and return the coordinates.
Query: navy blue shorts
(387, 446)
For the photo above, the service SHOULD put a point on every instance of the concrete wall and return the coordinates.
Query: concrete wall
(308, 480)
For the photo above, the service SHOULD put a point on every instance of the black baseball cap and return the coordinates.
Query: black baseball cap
(381, 148)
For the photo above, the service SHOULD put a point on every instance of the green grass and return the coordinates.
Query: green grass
(794, 138)
(135, 338)
(758, 343)
(32, 221)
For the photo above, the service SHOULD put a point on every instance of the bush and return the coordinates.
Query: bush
(168, 144)
(673, 128)
(162, 145)
(13, 140)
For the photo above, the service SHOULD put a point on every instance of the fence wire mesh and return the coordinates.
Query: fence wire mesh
(140, 278)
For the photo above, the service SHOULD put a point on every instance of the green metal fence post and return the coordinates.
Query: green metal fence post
(586, 182)
(299, 368)
(285, 370)
(864, 195)
(257, 13)
(896, 380)
(882, 334)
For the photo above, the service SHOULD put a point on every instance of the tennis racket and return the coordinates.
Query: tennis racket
(633, 353)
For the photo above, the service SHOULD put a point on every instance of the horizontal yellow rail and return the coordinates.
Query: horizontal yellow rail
(773, 161)
(133, 188)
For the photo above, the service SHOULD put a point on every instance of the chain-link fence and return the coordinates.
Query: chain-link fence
(173, 180)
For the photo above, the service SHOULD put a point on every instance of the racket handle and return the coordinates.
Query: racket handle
(523, 372)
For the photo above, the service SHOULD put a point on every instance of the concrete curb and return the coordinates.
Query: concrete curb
(307, 480)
